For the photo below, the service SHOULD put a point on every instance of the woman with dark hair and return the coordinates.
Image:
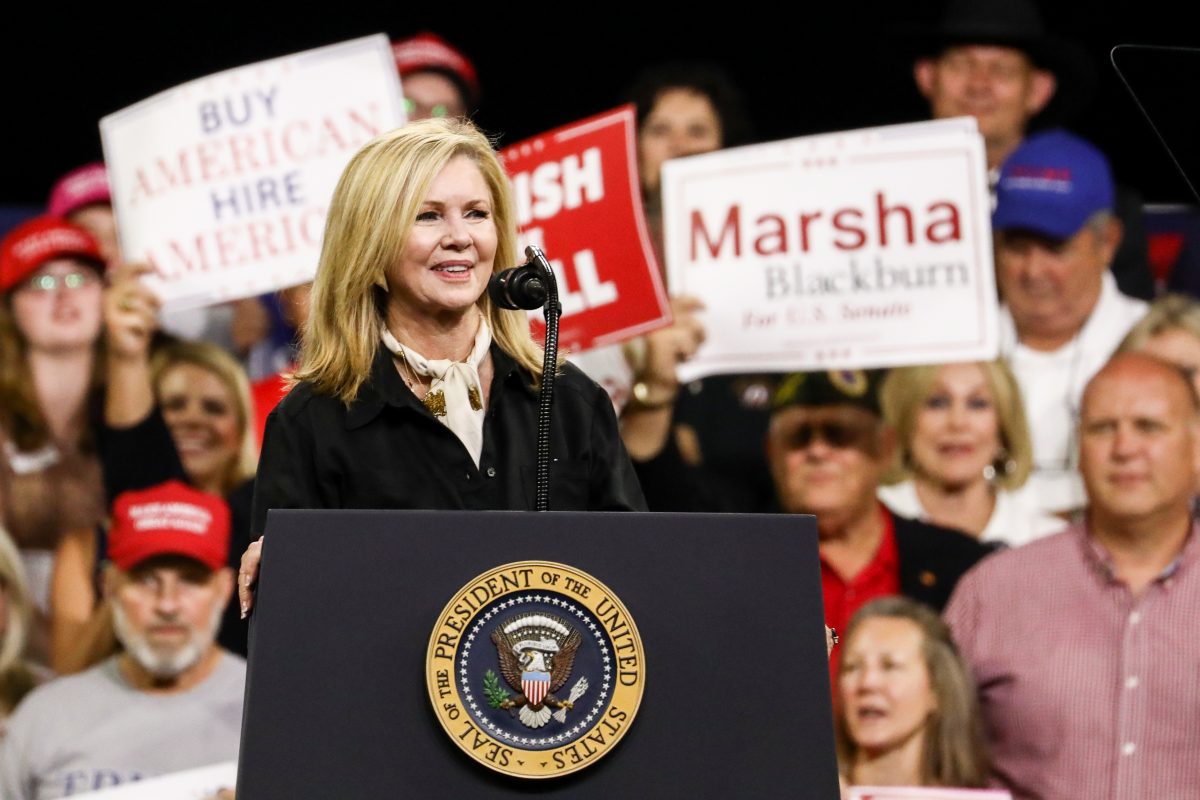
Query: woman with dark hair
(906, 711)
(699, 449)
(683, 109)
(51, 284)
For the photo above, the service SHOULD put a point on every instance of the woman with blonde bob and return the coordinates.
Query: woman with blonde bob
(964, 451)
(414, 390)
(907, 712)
(1170, 331)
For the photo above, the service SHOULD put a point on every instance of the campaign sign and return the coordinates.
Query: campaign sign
(923, 793)
(222, 184)
(192, 784)
(579, 199)
(868, 248)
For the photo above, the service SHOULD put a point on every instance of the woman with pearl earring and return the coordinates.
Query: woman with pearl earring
(964, 451)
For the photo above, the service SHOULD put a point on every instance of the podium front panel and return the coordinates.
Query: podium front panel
(736, 699)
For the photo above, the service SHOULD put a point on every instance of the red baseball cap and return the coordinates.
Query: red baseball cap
(78, 188)
(428, 51)
(169, 519)
(42, 239)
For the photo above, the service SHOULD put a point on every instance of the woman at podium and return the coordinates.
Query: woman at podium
(414, 391)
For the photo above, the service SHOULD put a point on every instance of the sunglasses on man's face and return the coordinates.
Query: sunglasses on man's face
(839, 434)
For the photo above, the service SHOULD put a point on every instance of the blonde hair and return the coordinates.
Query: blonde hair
(954, 752)
(20, 609)
(15, 678)
(1171, 312)
(226, 369)
(905, 390)
(372, 213)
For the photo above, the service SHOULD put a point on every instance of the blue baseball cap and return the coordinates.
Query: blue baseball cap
(1052, 184)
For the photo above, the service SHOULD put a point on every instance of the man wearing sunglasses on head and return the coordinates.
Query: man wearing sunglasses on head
(828, 447)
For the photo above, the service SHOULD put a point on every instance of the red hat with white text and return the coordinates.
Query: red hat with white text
(42, 239)
(428, 51)
(78, 188)
(171, 518)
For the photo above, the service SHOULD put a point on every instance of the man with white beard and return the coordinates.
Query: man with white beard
(172, 700)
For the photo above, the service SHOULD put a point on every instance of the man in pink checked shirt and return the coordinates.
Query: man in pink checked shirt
(1084, 644)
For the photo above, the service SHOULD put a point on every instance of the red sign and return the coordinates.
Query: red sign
(578, 198)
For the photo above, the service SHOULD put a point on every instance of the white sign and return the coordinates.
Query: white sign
(193, 784)
(222, 184)
(923, 793)
(867, 248)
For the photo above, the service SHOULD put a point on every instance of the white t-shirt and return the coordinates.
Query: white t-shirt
(1016, 519)
(207, 323)
(1052, 386)
(93, 731)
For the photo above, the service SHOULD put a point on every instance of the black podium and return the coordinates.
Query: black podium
(736, 696)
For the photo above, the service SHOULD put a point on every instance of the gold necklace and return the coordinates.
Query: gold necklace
(434, 401)
(406, 367)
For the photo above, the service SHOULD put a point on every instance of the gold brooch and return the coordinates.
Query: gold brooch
(473, 396)
(436, 403)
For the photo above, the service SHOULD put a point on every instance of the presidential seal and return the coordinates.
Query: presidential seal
(535, 669)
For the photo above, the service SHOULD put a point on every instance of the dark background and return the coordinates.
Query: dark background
(813, 67)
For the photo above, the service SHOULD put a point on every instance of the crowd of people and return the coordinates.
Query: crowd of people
(1006, 546)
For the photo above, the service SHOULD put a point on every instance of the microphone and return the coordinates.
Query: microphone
(521, 287)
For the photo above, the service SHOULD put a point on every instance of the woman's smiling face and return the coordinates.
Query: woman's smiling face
(448, 257)
(957, 430)
(202, 415)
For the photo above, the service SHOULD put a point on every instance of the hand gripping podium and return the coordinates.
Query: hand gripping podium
(356, 608)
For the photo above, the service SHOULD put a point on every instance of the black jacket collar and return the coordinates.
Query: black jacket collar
(385, 387)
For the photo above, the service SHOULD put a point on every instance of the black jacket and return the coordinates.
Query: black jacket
(387, 451)
(932, 559)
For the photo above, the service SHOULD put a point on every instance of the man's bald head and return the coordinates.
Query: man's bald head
(1145, 370)
(1139, 441)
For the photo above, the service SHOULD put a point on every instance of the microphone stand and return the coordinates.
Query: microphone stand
(528, 286)
(552, 310)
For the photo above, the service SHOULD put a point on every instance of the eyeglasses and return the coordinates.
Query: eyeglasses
(841, 435)
(438, 110)
(49, 282)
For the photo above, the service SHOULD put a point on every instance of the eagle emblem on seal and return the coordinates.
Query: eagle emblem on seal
(536, 654)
